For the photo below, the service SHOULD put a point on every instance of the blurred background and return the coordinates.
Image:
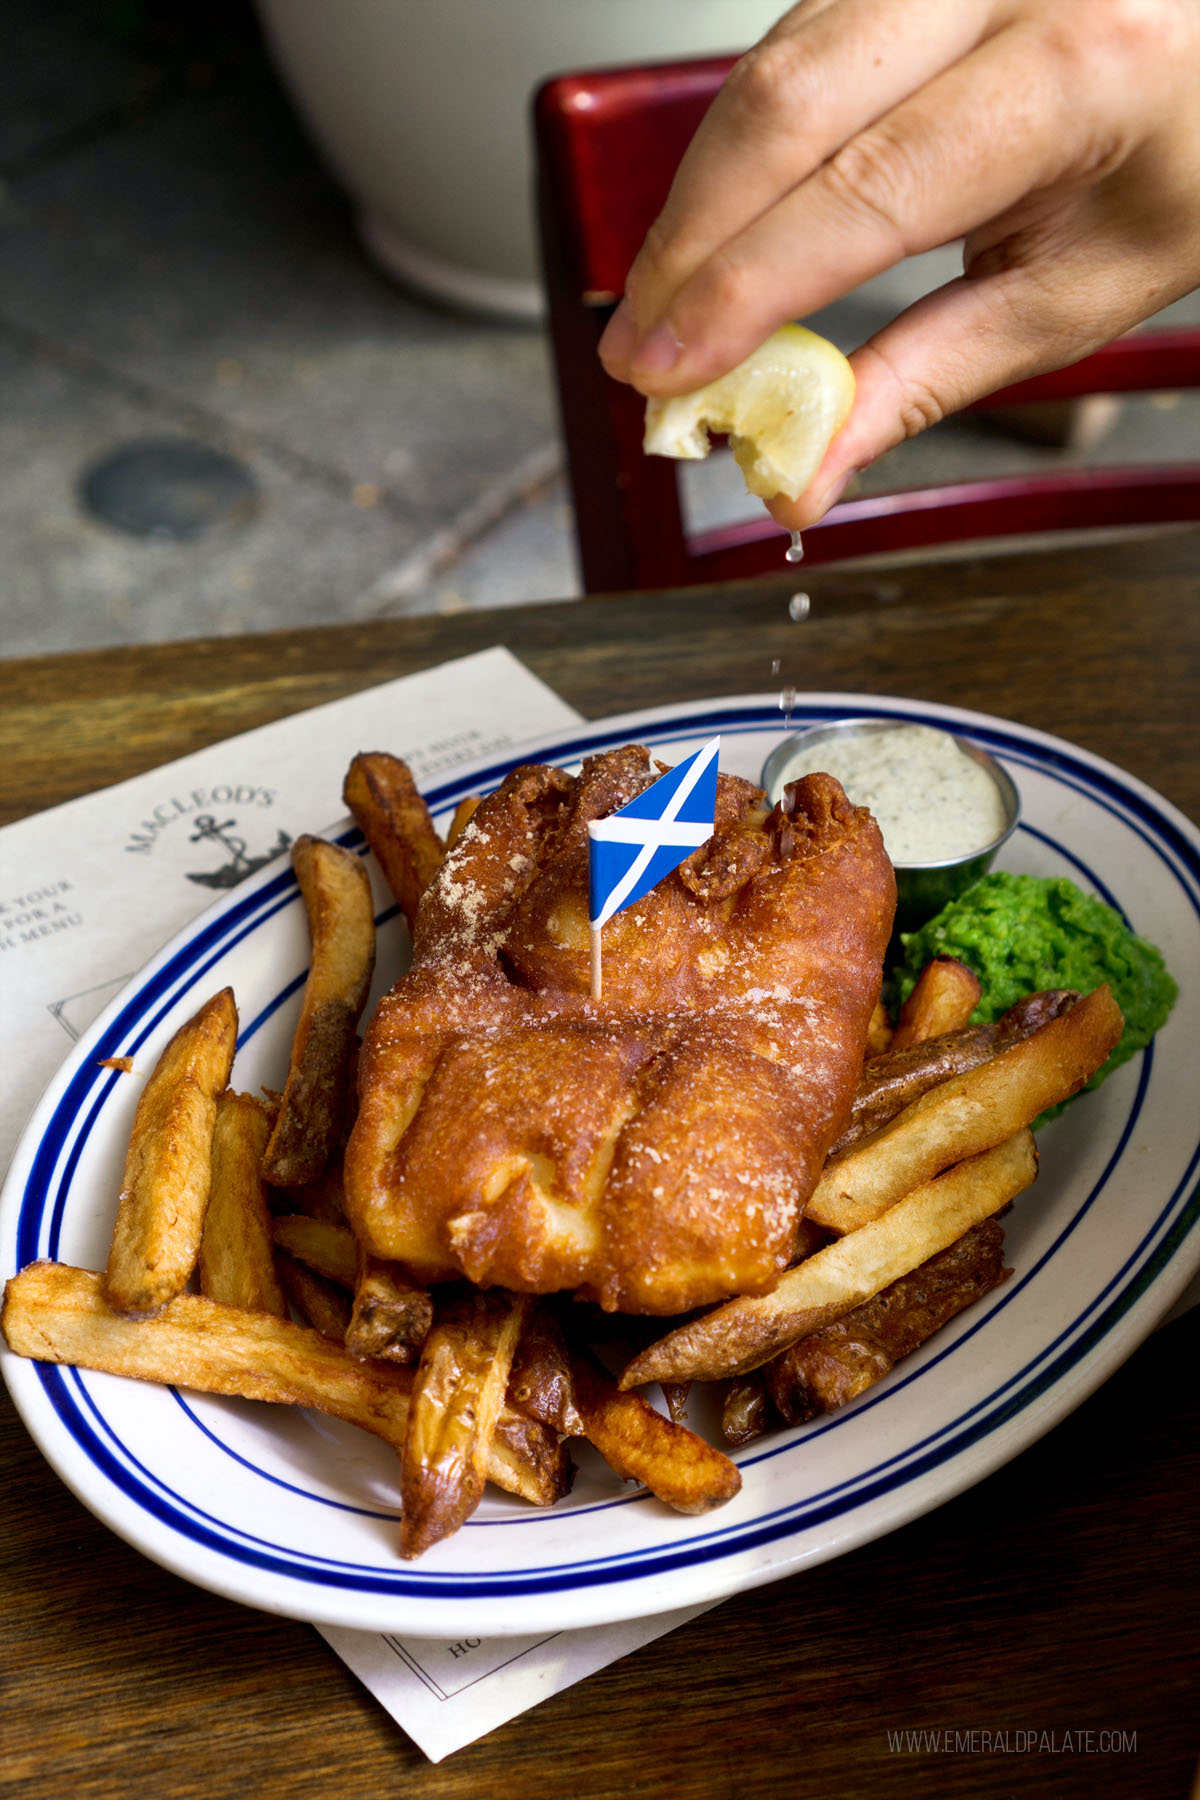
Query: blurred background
(270, 346)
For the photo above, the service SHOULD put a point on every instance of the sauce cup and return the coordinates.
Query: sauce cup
(922, 888)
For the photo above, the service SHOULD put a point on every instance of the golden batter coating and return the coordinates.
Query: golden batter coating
(652, 1151)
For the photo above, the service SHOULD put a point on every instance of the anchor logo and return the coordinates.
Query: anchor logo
(239, 865)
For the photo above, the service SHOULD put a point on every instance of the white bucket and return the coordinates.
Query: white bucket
(422, 108)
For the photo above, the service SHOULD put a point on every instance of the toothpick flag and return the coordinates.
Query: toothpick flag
(633, 849)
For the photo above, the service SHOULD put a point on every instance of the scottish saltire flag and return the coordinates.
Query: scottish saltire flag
(633, 849)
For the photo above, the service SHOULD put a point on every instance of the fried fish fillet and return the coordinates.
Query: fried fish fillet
(652, 1151)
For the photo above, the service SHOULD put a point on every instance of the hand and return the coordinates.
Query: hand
(1060, 139)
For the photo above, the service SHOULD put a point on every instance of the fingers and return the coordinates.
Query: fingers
(1000, 124)
(821, 75)
(977, 334)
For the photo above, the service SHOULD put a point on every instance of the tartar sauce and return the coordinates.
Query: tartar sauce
(931, 801)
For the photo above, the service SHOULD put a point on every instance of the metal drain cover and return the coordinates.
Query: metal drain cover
(169, 489)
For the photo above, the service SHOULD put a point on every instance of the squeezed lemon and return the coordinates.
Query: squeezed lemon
(781, 409)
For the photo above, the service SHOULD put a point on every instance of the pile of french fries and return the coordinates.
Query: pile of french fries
(232, 1269)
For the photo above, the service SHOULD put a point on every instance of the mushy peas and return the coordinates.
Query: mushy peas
(1020, 933)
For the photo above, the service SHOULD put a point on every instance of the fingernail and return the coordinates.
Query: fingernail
(658, 351)
(617, 338)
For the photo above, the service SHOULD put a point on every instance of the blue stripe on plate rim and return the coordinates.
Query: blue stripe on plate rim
(73, 1118)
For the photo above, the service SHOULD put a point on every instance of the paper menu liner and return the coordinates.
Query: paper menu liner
(448, 1694)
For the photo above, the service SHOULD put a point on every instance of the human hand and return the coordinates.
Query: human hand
(1060, 139)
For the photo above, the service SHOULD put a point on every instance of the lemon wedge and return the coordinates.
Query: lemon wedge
(781, 408)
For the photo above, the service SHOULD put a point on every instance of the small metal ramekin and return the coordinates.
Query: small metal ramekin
(922, 888)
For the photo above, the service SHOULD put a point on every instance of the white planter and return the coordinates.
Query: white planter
(422, 109)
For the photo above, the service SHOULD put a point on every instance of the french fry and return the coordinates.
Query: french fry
(320, 1302)
(879, 1031)
(55, 1313)
(894, 1079)
(391, 1315)
(324, 1198)
(745, 1410)
(457, 1395)
(639, 1444)
(394, 819)
(341, 921)
(823, 1372)
(327, 1248)
(168, 1166)
(529, 1459)
(541, 1384)
(967, 1114)
(237, 1264)
(943, 998)
(676, 1393)
(740, 1335)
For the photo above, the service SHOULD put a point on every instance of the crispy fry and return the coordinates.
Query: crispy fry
(967, 1114)
(636, 1442)
(237, 1265)
(529, 1459)
(893, 1080)
(321, 1199)
(745, 1411)
(944, 997)
(313, 1112)
(55, 1313)
(464, 812)
(825, 1371)
(879, 1031)
(541, 1384)
(456, 1399)
(675, 1393)
(390, 813)
(329, 1249)
(168, 1166)
(742, 1334)
(835, 1365)
(391, 1316)
(320, 1302)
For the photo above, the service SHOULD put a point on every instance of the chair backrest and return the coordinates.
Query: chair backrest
(608, 143)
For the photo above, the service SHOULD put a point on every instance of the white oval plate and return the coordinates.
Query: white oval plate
(290, 1512)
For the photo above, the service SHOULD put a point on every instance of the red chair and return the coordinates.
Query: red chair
(608, 143)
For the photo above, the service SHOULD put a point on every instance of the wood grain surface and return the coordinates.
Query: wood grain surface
(1060, 1596)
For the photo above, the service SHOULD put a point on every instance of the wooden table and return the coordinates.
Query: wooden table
(1059, 1596)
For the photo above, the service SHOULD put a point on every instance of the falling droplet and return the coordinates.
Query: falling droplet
(798, 606)
(795, 550)
(787, 701)
(776, 666)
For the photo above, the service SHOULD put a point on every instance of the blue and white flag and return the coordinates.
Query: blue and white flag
(633, 849)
